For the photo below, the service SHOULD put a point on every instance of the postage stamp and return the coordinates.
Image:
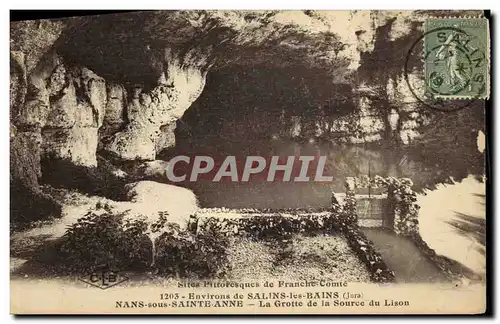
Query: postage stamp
(456, 58)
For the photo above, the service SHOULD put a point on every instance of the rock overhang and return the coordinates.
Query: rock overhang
(134, 47)
(154, 63)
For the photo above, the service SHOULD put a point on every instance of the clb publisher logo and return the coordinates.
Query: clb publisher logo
(103, 278)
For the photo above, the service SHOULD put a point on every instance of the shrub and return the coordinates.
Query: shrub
(189, 255)
(30, 205)
(269, 227)
(102, 238)
(350, 215)
(405, 207)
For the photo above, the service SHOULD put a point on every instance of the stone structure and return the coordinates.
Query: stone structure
(398, 210)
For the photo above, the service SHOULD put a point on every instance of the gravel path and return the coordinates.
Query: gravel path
(300, 258)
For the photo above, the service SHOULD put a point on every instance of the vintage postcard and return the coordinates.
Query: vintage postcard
(249, 162)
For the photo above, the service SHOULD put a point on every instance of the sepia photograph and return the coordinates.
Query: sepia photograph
(249, 162)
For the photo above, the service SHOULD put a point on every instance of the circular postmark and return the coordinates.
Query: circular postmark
(445, 69)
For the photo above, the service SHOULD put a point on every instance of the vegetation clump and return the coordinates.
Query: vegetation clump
(124, 242)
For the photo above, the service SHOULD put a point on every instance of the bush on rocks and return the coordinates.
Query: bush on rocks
(350, 216)
(404, 200)
(30, 205)
(121, 241)
(103, 239)
(188, 255)
(268, 227)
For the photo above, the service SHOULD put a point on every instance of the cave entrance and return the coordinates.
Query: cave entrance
(261, 111)
(242, 106)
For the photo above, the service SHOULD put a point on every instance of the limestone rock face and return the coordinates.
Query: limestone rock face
(166, 139)
(76, 144)
(35, 38)
(62, 105)
(18, 82)
(76, 99)
(153, 169)
(67, 106)
(135, 142)
(25, 157)
(115, 112)
(25, 150)
(116, 104)
(151, 114)
(79, 89)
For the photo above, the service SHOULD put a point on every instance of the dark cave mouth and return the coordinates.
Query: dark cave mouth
(242, 106)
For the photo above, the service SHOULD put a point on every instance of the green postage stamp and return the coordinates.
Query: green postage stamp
(457, 58)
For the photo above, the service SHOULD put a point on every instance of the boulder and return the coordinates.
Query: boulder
(148, 198)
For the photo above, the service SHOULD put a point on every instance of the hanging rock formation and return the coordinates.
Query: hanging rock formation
(152, 115)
